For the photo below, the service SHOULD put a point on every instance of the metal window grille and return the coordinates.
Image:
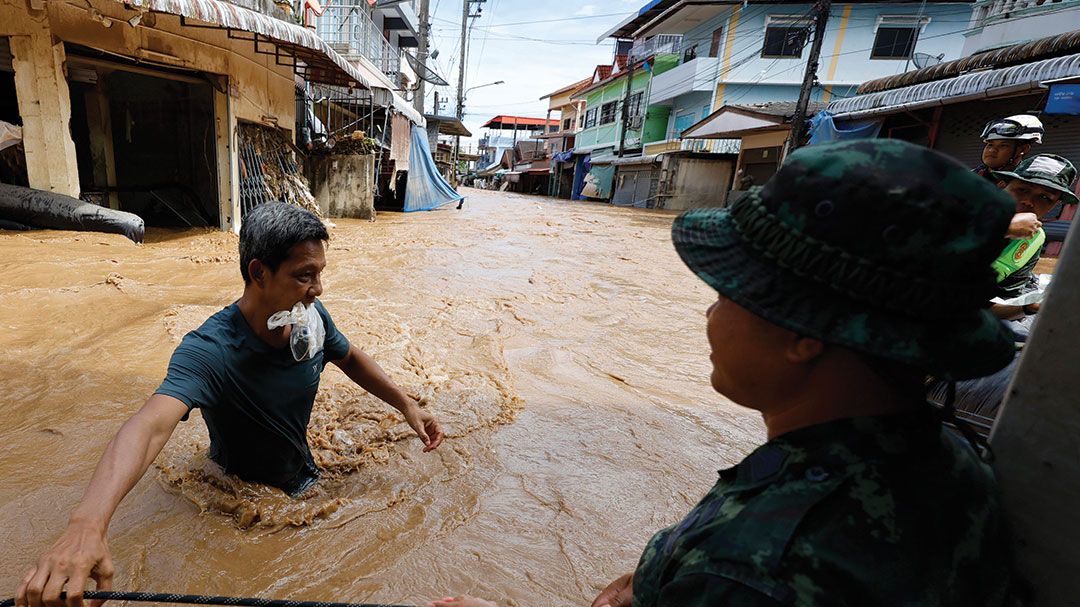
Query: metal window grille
(607, 112)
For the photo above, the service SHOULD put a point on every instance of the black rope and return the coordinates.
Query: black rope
(192, 599)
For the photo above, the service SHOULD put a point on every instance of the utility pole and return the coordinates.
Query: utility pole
(798, 120)
(436, 110)
(626, 101)
(461, 78)
(422, 56)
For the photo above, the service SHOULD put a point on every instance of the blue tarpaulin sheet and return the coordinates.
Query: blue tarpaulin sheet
(427, 189)
(824, 130)
(563, 156)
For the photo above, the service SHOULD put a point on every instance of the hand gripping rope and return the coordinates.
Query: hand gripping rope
(192, 599)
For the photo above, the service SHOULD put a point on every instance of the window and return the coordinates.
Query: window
(607, 112)
(590, 118)
(635, 105)
(581, 121)
(683, 121)
(896, 36)
(785, 37)
(689, 54)
(566, 123)
(717, 40)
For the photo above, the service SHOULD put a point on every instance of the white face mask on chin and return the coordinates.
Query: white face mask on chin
(308, 331)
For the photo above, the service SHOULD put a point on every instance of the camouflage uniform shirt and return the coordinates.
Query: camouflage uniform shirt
(889, 510)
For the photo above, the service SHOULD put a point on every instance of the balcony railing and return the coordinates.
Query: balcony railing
(664, 44)
(989, 11)
(351, 32)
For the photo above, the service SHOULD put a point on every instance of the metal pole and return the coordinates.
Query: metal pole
(422, 56)
(626, 104)
(461, 77)
(797, 126)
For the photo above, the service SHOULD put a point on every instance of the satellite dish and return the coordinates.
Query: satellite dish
(922, 60)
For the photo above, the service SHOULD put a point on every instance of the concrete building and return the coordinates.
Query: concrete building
(750, 53)
(571, 117)
(165, 108)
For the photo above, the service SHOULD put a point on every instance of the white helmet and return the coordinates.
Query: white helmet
(1021, 127)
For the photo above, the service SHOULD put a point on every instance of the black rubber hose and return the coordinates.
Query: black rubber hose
(193, 599)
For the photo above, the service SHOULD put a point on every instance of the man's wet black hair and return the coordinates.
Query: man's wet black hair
(270, 230)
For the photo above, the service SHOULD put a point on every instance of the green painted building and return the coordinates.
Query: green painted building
(602, 121)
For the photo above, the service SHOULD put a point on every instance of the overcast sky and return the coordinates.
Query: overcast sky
(535, 46)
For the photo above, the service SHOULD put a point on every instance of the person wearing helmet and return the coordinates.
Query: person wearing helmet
(1007, 141)
(1038, 184)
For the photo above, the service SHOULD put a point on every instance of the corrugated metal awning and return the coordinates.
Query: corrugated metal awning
(976, 85)
(631, 160)
(291, 45)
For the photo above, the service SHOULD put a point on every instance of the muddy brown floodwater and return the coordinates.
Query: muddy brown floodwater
(561, 344)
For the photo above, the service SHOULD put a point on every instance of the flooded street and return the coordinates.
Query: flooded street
(561, 344)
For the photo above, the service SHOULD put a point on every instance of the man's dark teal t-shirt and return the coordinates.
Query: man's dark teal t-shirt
(256, 400)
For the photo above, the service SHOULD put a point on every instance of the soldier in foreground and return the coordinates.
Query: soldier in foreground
(842, 283)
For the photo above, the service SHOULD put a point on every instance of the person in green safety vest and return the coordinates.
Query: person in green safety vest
(1038, 184)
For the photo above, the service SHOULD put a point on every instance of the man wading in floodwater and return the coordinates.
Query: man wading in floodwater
(253, 370)
(842, 282)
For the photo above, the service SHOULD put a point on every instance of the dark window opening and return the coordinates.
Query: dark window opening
(785, 41)
(590, 118)
(607, 112)
(566, 124)
(689, 54)
(717, 40)
(894, 42)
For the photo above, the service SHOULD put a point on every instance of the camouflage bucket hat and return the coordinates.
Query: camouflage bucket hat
(880, 246)
(1047, 170)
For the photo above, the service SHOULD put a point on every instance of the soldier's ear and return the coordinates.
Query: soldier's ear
(803, 350)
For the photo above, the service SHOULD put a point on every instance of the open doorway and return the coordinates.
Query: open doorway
(12, 157)
(145, 141)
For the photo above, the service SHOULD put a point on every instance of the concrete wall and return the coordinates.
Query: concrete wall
(344, 185)
(692, 108)
(1023, 25)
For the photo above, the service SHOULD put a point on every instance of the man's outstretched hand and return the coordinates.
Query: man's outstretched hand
(425, 425)
(617, 594)
(80, 554)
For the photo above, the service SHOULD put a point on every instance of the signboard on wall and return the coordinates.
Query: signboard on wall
(1063, 99)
